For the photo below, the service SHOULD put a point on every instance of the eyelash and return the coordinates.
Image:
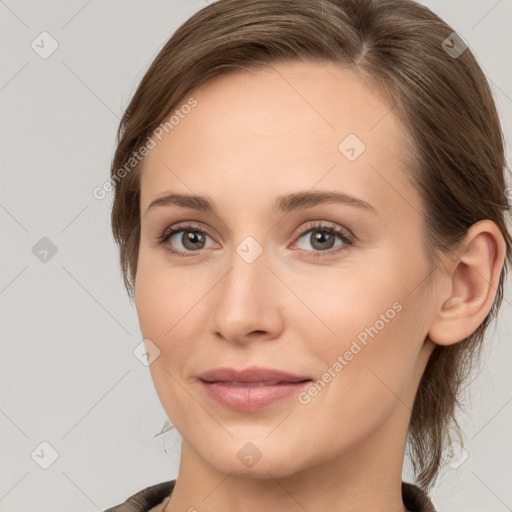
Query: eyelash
(343, 235)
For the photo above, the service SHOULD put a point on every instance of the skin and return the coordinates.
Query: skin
(251, 138)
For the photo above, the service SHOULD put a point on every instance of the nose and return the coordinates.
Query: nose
(247, 302)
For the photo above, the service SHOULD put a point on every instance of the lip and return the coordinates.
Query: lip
(252, 374)
(251, 389)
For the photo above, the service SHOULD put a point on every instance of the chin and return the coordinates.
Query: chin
(249, 460)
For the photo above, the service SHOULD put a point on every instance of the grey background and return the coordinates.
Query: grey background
(68, 373)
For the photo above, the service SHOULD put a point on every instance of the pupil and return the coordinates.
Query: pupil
(192, 238)
(321, 237)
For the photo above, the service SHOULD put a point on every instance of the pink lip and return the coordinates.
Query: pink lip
(220, 384)
(250, 398)
(252, 374)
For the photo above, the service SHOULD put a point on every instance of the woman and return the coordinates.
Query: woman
(296, 373)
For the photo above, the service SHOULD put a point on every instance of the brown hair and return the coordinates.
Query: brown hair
(456, 163)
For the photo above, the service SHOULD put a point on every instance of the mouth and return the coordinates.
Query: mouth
(255, 384)
(251, 396)
(254, 375)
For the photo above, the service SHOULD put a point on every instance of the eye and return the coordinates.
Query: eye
(322, 238)
(192, 239)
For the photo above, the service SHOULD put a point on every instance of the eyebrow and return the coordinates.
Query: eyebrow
(283, 204)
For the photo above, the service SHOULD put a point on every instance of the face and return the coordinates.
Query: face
(331, 291)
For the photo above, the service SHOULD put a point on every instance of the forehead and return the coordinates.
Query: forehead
(279, 130)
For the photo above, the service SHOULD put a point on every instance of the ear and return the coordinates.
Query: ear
(468, 287)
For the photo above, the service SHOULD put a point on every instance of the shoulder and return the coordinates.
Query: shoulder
(416, 499)
(145, 499)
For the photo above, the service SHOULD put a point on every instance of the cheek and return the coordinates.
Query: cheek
(149, 301)
(347, 304)
(364, 329)
(165, 312)
(161, 296)
(168, 304)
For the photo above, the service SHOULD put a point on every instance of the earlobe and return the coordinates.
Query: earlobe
(472, 280)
